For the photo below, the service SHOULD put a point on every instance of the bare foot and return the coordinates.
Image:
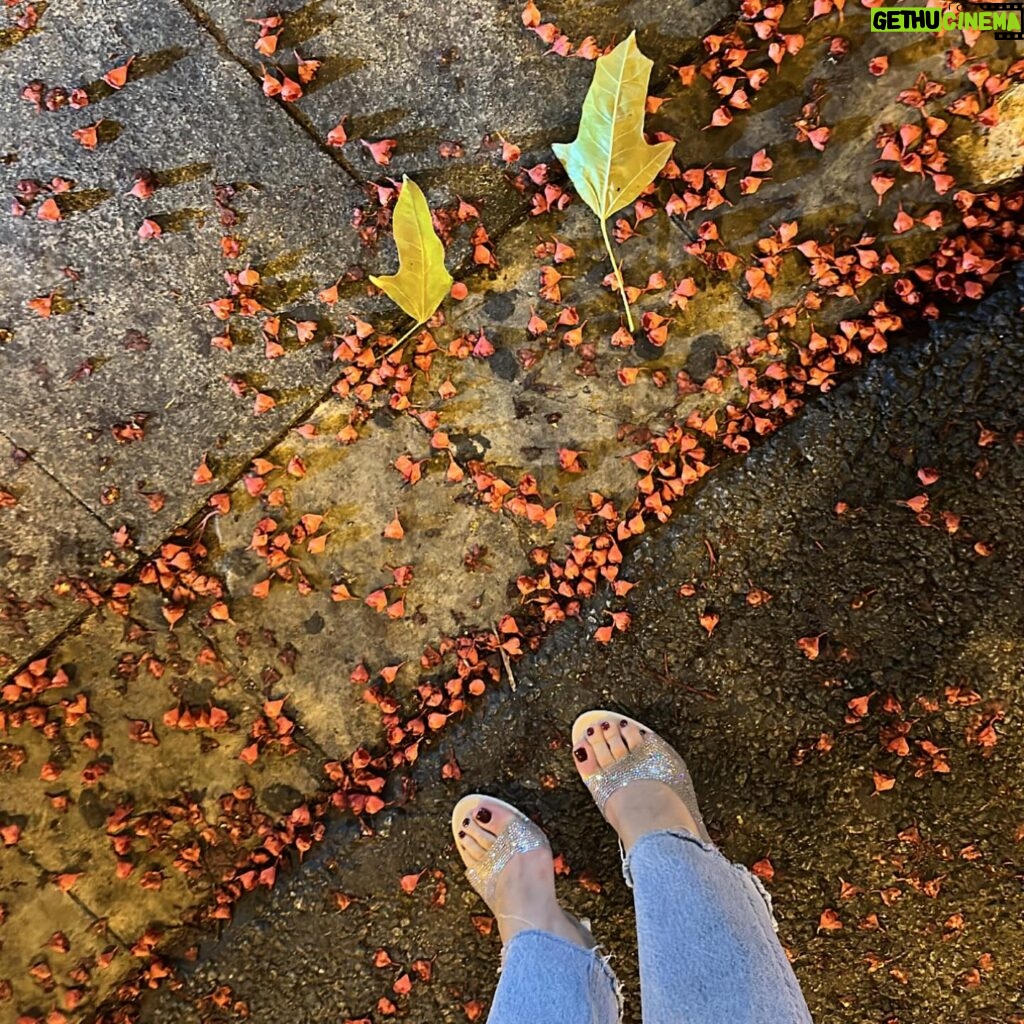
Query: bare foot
(639, 807)
(525, 892)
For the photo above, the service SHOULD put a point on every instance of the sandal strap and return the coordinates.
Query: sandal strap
(654, 760)
(520, 835)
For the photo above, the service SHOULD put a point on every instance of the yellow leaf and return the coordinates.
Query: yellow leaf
(422, 281)
(609, 161)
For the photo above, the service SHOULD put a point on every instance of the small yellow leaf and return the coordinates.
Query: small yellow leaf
(422, 281)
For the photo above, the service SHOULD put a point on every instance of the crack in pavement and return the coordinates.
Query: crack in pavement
(208, 25)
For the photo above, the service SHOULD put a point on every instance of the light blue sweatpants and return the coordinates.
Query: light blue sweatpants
(707, 945)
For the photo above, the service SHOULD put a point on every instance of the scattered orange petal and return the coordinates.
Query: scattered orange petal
(709, 620)
(809, 645)
(337, 136)
(117, 77)
(42, 306)
(381, 150)
(49, 210)
(409, 882)
(394, 529)
(829, 921)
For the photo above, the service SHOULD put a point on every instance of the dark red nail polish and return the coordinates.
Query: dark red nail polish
(623, 724)
(590, 730)
(465, 822)
(462, 835)
(580, 754)
(643, 732)
(483, 815)
(605, 726)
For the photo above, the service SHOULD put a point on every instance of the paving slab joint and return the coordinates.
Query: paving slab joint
(206, 23)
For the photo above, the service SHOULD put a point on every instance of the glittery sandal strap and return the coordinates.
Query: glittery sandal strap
(654, 760)
(520, 835)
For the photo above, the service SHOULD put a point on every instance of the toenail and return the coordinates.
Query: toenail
(623, 724)
(465, 822)
(580, 754)
(462, 835)
(604, 725)
(590, 730)
(643, 732)
(483, 815)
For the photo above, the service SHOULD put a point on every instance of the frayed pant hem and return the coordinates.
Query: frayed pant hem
(594, 956)
(708, 847)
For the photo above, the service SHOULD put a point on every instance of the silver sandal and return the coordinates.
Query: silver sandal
(520, 835)
(653, 760)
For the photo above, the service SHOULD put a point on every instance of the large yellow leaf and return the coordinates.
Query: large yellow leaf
(609, 161)
(422, 280)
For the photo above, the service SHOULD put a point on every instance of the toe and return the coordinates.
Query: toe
(597, 734)
(492, 818)
(471, 848)
(479, 835)
(616, 741)
(631, 733)
(586, 760)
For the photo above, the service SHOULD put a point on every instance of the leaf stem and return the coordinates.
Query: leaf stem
(618, 276)
(402, 340)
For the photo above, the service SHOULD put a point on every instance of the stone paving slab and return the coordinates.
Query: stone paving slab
(830, 189)
(35, 554)
(357, 491)
(97, 761)
(539, 394)
(76, 962)
(129, 331)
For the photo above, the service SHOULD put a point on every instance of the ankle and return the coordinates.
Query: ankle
(650, 807)
(546, 917)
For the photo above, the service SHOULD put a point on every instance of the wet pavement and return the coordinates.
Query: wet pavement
(287, 559)
(920, 637)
